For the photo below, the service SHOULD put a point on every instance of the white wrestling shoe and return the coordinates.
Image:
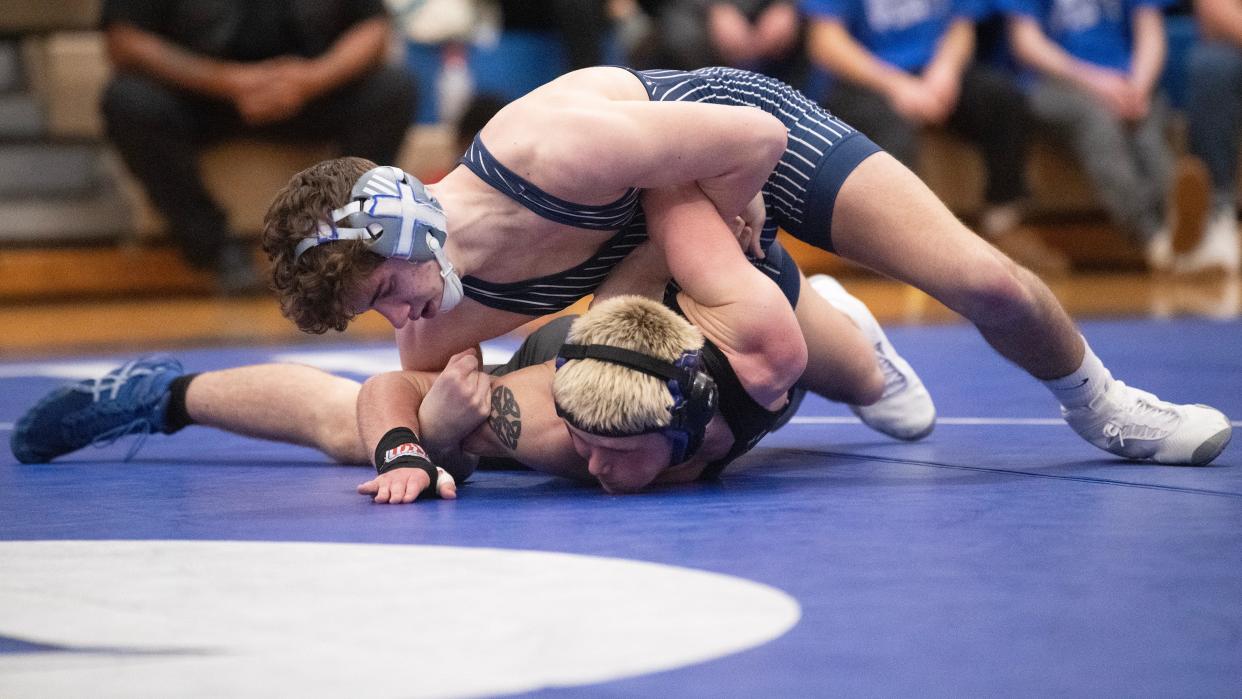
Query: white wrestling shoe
(905, 410)
(1138, 425)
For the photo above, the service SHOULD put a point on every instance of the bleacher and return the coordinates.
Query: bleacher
(67, 204)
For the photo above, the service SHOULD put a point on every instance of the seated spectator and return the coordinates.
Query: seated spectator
(1214, 121)
(580, 24)
(759, 35)
(1094, 70)
(188, 73)
(901, 66)
(459, 48)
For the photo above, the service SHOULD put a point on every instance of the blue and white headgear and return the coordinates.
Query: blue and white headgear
(395, 216)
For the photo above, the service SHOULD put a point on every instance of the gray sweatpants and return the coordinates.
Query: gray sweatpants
(1129, 164)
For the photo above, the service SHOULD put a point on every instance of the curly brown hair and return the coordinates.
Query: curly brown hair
(312, 288)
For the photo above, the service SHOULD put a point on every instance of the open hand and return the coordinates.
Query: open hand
(402, 485)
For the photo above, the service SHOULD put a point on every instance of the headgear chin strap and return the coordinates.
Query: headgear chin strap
(394, 215)
(693, 390)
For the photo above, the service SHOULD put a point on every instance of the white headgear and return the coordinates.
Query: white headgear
(394, 215)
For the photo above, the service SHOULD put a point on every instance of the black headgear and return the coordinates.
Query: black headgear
(693, 390)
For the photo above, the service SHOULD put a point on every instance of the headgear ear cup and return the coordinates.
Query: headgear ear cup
(453, 291)
(392, 212)
(694, 392)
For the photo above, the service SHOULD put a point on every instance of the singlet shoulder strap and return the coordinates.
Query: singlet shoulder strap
(597, 217)
(555, 292)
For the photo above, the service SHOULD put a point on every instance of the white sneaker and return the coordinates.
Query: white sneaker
(905, 410)
(1218, 249)
(1138, 425)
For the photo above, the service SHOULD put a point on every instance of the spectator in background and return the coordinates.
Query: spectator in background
(1214, 118)
(902, 65)
(1095, 68)
(580, 24)
(759, 35)
(188, 72)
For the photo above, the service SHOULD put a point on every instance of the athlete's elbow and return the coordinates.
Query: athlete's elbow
(784, 347)
(773, 138)
(789, 355)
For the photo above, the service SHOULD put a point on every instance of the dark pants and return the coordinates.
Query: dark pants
(1214, 114)
(160, 132)
(991, 113)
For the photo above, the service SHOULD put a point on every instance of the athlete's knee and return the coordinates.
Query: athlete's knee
(997, 292)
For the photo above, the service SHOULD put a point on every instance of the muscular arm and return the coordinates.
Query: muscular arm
(394, 400)
(522, 424)
(643, 272)
(605, 146)
(460, 415)
(427, 344)
(735, 305)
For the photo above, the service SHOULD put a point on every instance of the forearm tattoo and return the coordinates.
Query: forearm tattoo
(506, 417)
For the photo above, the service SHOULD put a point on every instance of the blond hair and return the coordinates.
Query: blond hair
(610, 398)
(312, 288)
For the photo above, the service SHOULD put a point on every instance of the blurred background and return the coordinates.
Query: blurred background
(1095, 141)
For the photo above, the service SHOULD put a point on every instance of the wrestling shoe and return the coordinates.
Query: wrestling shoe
(1138, 425)
(905, 410)
(128, 400)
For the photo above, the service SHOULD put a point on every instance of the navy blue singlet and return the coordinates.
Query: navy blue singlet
(799, 194)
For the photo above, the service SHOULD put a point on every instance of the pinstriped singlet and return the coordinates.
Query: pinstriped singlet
(813, 133)
(603, 217)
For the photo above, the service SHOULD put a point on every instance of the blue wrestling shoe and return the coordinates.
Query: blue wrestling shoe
(128, 400)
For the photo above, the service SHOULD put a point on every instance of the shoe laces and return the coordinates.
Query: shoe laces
(894, 379)
(141, 427)
(1143, 417)
(112, 382)
(105, 391)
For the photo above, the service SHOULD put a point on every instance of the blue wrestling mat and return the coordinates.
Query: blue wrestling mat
(1000, 556)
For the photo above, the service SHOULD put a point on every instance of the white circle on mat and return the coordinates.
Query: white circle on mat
(227, 618)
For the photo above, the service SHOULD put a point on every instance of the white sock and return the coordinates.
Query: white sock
(1082, 386)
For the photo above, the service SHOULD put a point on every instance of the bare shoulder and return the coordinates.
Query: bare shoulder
(562, 135)
(523, 424)
(608, 82)
(574, 95)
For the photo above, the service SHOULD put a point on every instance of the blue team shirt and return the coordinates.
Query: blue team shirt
(901, 32)
(1097, 31)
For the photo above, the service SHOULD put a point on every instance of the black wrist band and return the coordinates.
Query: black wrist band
(400, 448)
